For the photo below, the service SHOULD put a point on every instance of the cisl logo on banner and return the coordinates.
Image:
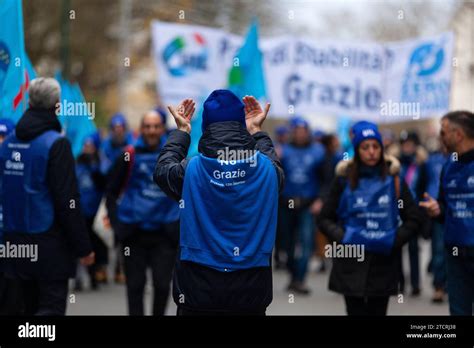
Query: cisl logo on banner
(382, 82)
(180, 59)
(191, 60)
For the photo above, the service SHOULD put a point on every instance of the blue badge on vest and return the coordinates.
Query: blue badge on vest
(370, 214)
(301, 165)
(458, 185)
(26, 199)
(229, 217)
(143, 202)
(90, 195)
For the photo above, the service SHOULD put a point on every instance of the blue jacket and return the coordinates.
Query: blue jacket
(143, 202)
(91, 194)
(110, 151)
(458, 188)
(207, 287)
(26, 199)
(225, 223)
(370, 213)
(302, 170)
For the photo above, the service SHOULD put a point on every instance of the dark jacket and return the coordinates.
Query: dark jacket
(67, 239)
(205, 288)
(378, 274)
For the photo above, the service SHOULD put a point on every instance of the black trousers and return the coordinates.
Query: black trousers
(10, 296)
(98, 245)
(44, 297)
(100, 249)
(150, 249)
(376, 305)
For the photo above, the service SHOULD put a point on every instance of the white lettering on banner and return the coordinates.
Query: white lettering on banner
(379, 82)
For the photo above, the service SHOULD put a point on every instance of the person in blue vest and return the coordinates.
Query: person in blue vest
(282, 135)
(112, 146)
(41, 204)
(302, 160)
(435, 163)
(332, 156)
(455, 207)
(143, 217)
(6, 287)
(228, 196)
(414, 171)
(91, 183)
(110, 149)
(361, 218)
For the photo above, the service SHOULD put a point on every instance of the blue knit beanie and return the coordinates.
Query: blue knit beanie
(222, 105)
(365, 130)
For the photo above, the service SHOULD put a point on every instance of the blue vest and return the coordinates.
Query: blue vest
(1, 212)
(109, 152)
(26, 199)
(435, 165)
(143, 202)
(301, 165)
(458, 186)
(229, 217)
(370, 214)
(90, 195)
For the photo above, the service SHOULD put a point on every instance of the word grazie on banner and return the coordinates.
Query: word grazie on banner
(305, 75)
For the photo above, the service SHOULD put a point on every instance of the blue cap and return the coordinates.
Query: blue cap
(222, 105)
(365, 130)
(281, 130)
(359, 125)
(298, 121)
(318, 133)
(93, 138)
(118, 119)
(6, 126)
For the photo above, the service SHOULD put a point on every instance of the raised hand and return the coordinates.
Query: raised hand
(88, 260)
(431, 205)
(254, 114)
(183, 114)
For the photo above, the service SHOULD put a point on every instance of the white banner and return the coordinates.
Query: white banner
(385, 83)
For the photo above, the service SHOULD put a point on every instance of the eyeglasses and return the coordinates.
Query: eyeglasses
(150, 126)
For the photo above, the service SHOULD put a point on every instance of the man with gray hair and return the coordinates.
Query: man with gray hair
(41, 207)
(455, 208)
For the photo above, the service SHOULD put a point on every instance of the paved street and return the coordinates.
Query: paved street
(110, 299)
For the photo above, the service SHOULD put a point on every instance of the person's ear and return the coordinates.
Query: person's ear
(458, 134)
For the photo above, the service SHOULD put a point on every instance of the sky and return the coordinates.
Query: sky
(312, 16)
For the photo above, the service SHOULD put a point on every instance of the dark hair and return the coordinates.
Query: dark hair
(463, 119)
(327, 139)
(353, 173)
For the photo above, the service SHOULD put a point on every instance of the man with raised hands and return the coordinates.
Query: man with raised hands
(229, 200)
